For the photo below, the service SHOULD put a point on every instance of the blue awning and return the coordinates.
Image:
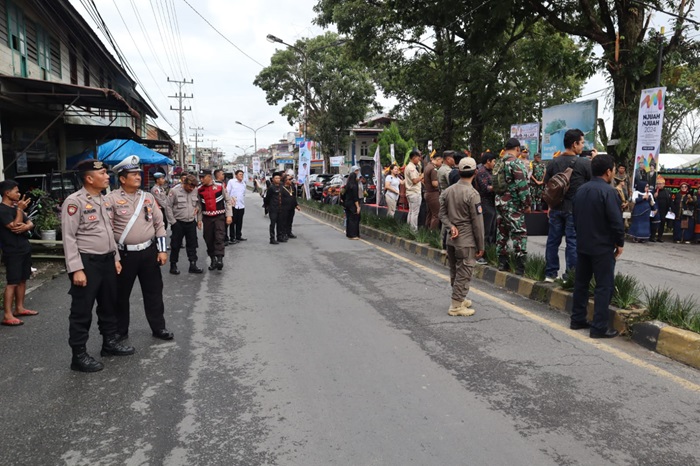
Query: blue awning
(116, 150)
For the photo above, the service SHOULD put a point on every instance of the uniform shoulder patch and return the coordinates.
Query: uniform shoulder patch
(72, 209)
(479, 209)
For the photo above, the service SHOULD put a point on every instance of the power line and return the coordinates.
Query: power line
(144, 31)
(224, 37)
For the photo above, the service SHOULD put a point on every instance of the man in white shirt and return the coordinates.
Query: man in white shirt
(236, 190)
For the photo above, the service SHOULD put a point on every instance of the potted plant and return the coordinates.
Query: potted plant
(43, 215)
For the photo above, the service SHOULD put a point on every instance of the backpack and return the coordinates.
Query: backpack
(557, 186)
(498, 176)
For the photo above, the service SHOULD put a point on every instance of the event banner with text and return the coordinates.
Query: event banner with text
(649, 127)
(556, 121)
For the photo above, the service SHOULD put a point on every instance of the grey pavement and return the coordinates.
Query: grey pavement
(668, 265)
(326, 351)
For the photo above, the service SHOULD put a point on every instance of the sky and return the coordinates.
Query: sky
(163, 39)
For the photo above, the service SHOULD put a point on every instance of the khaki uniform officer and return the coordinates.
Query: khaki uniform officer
(92, 262)
(181, 211)
(140, 236)
(461, 214)
(158, 191)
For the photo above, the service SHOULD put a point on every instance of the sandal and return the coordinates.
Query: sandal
(11, 322)
(26, 312)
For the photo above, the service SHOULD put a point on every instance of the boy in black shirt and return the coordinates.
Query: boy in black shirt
(16, 250)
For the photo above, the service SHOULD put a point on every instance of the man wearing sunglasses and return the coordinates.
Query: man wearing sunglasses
(140, 235)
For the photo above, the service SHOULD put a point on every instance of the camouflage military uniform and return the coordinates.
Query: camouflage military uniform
(511, 207)
(538, 171)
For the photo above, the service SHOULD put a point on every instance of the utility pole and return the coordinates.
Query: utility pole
(181, 111)
(196, 142)
(211, 151)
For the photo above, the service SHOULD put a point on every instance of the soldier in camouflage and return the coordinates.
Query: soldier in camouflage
(537, 181)
(511, 207)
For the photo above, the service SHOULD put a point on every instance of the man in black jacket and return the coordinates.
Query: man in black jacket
(663, 205)
(561, 222)
(601, 234)
(272, 204)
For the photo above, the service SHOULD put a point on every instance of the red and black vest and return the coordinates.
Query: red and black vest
(212, 198)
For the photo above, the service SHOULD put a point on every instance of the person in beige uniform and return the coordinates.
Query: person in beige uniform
(158, 191)
(413, 179)
(140, 236)
(181, 210)
(461, 214)
(92, 262)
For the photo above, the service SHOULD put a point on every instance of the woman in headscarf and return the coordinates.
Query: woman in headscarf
(352, 207)
(640, 230)
(684, 207)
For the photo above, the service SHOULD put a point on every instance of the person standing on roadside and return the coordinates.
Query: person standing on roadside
(16, 251)
(92, 263)
(158, 191)
(272, 204)
(448, 163)
(236, 188)
(214, 215)
(352, 207)
(413, 179)
(288, 205)
(539, 169)
(664, 205)
(461, 214)
(484, 185)
(181, 210)
(601, 238)
(561, 220)
(392, 187)
(511, 207)
(432, 192)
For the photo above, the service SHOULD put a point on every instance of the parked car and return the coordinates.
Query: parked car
(58, 185)
(331, 191)
(320, 181)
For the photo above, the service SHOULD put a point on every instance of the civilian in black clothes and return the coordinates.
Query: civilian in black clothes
(352, 207)
(601, 238)
(663, 205)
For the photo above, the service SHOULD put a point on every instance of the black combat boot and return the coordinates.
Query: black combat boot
(213, 263)
(194, 268)
(520, 264)
(219, 262)
(111, 347)
(173, 269)
(282, 239)
(291, 236)
(83, 362)
(503, 263)
(273, 241)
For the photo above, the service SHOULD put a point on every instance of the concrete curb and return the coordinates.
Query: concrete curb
(677, 344)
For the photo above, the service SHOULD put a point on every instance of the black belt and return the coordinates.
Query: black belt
(98, 257)
(184, 221)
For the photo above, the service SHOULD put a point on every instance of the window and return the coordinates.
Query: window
(43, 47)
(86, 70)
(364, 149)
(73, 63)
(17, 37)
(55, 58)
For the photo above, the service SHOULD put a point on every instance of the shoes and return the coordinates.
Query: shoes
(520, 264)
(121, 336)
(481, 261)
(467, 303)
(219, 262)
(164, 334)
(274, 241)
(83, 362)
(550, 279)
(686, 242)
(579, 325)
(194, 268)
(457, 308)
(659, 240)
(111, 347)
(652, 240)
(291, 235)
(282, 239)
(228, 243)
(677, 242)
(234, 241)
(173, 269)
(214, 263)
(503, 263)
(609, 333)
(246, 239)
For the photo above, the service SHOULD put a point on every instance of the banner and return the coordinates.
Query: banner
(337, 161)
(556, 121)
(377, 178)
(256, 165)
(528, 134)
(649, 126)
(391, 153)
(304, 165)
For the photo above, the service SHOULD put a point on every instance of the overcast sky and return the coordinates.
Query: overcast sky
(157, 46)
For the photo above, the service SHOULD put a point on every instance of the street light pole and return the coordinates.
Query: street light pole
(255, 132)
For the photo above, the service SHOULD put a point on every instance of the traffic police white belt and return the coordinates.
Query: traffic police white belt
(135, 247)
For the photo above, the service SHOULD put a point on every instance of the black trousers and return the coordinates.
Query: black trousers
(214, 229)
(144, 265)
(352, 227)
(602, 267)
(490, 214)
(234, 230)
(180, 230)
(101, 287)
(275, 224)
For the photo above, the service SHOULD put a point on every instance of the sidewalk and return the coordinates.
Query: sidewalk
(674, 266)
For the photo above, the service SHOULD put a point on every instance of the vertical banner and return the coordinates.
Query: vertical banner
(528, 134)
(391, 153)
(304, 166)
(650, 123)
(377, 178)
(556, 121)
(256, 165)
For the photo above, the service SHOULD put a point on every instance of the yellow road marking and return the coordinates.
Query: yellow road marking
(539, 319)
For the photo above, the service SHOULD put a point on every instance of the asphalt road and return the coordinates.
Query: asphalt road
(325, 351)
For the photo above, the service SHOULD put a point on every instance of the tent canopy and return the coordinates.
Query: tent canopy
(116, 150)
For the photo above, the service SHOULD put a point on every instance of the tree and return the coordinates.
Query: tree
(386, 138)
(337, 89)
(630, 50)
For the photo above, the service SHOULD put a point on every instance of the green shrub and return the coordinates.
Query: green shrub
(658, 302)
(567, 280)
(422, 235)
(436, 239)
(491, 256)
(627, 292)
(534, 267)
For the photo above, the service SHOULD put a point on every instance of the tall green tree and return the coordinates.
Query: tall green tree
(336, 88)
(402, 146)
(629, 49)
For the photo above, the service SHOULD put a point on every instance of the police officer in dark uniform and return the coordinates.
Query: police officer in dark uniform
(92, 262)
(140, 235)
(181, 211)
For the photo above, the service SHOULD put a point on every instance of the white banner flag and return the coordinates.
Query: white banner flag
(377, 178)
(391, 153)
(649, 127)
